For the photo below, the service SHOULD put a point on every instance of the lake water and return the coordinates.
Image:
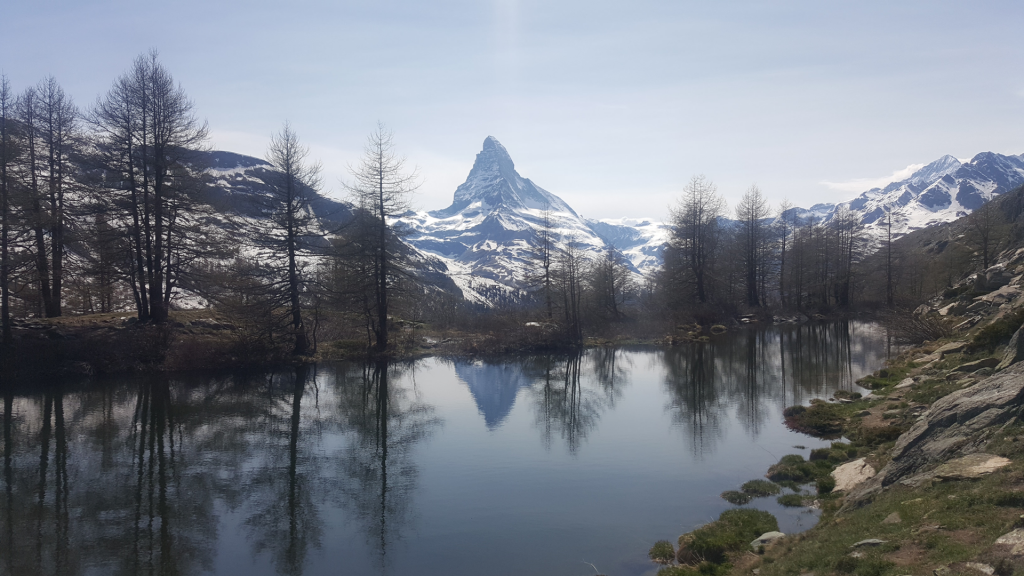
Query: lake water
(528, 466)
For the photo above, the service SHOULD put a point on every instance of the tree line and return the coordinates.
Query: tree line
(108, 207)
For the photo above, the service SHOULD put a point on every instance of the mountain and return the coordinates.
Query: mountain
(941, 191)
(488, 236)
(484, 244)
(235, 181)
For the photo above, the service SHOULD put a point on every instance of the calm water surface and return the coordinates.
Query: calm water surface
(529, 466)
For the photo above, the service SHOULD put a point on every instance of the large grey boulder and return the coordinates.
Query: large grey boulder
(1014, 351)
(959, 424)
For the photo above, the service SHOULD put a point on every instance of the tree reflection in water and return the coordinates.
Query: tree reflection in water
(135, 475)
(780, 366)
(283, 519)
(566, 399)
(693, 396)
(376, 467)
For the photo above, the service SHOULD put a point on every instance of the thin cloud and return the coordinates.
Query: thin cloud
(863, 184)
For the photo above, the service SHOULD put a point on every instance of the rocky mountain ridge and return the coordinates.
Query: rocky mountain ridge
(485, 242)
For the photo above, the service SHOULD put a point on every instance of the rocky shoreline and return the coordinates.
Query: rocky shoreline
(930, 479)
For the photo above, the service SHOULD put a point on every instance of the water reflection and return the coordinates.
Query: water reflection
(378, 471)
(571, 391)
(313, 470)
(756, 369)
(494, 387)
(283, 519)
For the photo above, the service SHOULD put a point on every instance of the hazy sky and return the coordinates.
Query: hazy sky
(611, 105)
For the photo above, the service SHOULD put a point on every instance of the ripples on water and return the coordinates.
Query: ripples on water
(535, 465)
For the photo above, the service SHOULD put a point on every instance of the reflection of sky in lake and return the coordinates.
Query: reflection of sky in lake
(535, 465)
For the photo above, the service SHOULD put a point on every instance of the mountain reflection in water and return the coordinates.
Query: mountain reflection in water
(546, 462)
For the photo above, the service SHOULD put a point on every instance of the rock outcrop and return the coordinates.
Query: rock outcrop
(959, 424)
(1014, 351)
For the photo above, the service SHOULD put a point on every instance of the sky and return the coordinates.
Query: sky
(611, 105)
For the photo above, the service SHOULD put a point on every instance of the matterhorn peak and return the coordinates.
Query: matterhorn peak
(493, 157)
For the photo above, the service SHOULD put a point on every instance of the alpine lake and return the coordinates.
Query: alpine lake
(562, 465)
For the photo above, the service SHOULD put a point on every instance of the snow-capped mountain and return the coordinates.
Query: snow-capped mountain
(941, 191)
(489, 236)
(485, 243)
(235, 181)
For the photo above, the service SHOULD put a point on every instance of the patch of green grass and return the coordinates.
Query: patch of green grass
(929, 390)
(794, 468)
(791, 500)
(662, 552)
(759, 488)
(733, 531)
(876, 436)
(736, 497)
(886, 377)
(820, 420)
(1008, 442)
(998, 332)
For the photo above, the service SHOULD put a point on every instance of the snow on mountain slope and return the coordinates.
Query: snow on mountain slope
(235, 183)
(941, 191)
(485, 243)
(491, 230)
(639, 240)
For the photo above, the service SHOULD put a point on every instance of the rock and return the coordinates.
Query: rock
(942, 571)
(984, 568)
(869, 542)
(851, 474)
(891, 414)
(970, 467)
(1014, 351)
(893, 518)
(958, 424)
(766, 539)
(864, 413)
(997, 277)
(977, 365)
(1000, 296)
(954, 309)
(977, 306)
(950, 348)
(1015, 540)
(922, 310)
(967, 324)
(905, 383)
